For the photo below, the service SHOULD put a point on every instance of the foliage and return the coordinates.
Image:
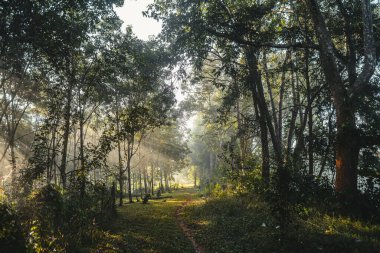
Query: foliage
(51, 221)
(11, 235)
(42, 217)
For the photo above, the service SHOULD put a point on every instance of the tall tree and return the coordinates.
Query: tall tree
(348, 89)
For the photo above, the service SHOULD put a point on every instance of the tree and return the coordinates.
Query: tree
(347, 90)
(251, 29)
(146, 100)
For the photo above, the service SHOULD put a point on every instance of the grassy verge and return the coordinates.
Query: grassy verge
(235, 224)
(152, 227)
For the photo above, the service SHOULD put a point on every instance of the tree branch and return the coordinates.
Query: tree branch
(242, 41)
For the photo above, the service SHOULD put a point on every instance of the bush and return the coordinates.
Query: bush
(43, 214)
(11, 237)
(46, 206)
(84, 214)
(52, 221)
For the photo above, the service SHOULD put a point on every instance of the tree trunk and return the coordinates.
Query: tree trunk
(281, 99)
(195, 178)
(145, 181)
(121, 190)
(82, 171)
(161, 179)
(13, 164)
(66, 134)
(129, 173)
(269, 88)
(310, 113)
(133, 183)
(256, 87)
(265, 120)
(348, 137)
(152, 179)
(265, 167)
(347, 152)
(120, 162)
(51, 158)
(140, 183)
(330, 140)
(294, 113)
(166, 180)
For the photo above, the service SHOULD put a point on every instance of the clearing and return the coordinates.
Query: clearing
(156, 226)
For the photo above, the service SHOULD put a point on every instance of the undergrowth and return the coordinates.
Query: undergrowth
(295, 213)
(244, 224)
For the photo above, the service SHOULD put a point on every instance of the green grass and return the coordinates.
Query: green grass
(152, 227)
(232, 224)
(235, 224)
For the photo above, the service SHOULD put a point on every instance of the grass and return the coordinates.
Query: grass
(236, 224)
(152, 227)
(232, 224)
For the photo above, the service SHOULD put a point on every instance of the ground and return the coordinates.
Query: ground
(153, 227)
(187, 222)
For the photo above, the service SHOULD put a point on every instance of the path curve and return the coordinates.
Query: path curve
(186, 230)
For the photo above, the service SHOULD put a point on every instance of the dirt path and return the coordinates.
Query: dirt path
(198, 248)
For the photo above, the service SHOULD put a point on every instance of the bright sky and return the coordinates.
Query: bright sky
(131, 14)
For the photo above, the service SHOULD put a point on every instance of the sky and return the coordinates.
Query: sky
(131, 14)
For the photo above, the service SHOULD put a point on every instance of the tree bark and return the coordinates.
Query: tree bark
(309, 114)
(129, 158)
(265, 167)
(347, 152)
(140, 182)
(82, 171)
(152, 179)
(120, 162)
(161, 179)
(66, 133)
(195, 178)
(145, 181)
(166, 180)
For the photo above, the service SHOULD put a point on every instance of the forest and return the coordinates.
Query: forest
(243, 126)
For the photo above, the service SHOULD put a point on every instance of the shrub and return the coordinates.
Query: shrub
(43, 214)
(11, 237)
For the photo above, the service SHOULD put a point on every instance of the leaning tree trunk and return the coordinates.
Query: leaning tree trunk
(265, 167)
(254, 82)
